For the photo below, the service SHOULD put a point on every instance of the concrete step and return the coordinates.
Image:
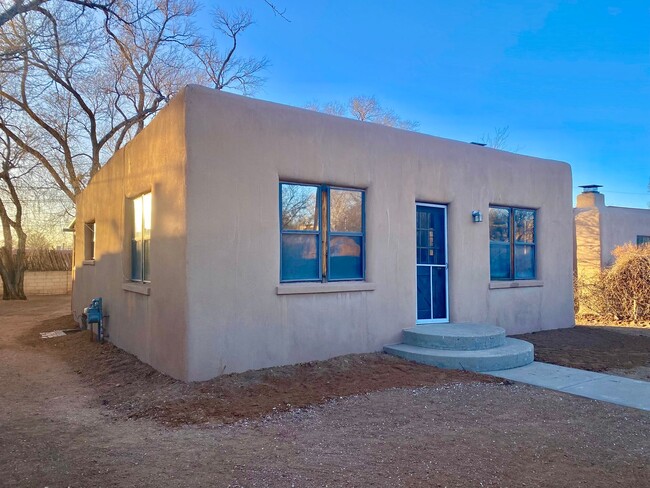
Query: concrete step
(512, 354)
(455, 336)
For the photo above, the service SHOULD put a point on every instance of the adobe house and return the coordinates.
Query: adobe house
(235, 234)
(599, 229)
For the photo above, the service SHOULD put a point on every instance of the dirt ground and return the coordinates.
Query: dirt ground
(75, 413)
(136, 390)
(596, 320)
(624, 351)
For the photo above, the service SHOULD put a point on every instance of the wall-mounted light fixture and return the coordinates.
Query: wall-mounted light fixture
(477, 216)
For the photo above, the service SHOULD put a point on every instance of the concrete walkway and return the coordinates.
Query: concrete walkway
(598, 386)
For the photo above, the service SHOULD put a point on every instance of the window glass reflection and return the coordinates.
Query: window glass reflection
(299, 207)
(146, 214)
(300, 257)
(524, 225)
(524, 262)
(499, 261)
(137, 218)
(499, 224)
(346, 211)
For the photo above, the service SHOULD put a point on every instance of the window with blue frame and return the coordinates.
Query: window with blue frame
(512, 243)
(322, 233)
(141, 238)
(642, 240)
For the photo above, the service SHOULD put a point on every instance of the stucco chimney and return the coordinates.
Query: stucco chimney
(590, 197)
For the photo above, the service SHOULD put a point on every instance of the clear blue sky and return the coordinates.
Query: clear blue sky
(571, 78)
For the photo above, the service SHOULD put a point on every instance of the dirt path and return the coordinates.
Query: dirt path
(54, 432)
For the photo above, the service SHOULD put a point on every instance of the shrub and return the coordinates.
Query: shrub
(621, 292)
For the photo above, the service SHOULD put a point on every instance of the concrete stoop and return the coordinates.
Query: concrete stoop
(471, 347)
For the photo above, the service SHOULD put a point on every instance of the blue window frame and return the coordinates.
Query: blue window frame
(642, 240)
(512, 243)
(322, 233)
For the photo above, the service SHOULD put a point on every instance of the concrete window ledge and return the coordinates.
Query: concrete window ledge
(496, 285)
(140, 288)
(88, 262)
(309, 288)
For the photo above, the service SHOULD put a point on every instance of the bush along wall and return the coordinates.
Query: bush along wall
(620, 292)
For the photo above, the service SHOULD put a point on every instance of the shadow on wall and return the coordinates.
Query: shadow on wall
(145, 319)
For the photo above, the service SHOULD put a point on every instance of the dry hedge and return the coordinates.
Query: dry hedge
(48, 260)
(622, 291)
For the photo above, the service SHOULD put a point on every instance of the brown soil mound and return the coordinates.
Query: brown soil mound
(136, 390)
(590, 348)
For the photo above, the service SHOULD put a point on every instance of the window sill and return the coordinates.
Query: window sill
(140, 288)
(88, 262)
(496, 285)
(310, 288)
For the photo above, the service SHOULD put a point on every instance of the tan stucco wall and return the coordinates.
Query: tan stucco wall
(239, 149)
(620, 226)
(153, 327)
(599, 229)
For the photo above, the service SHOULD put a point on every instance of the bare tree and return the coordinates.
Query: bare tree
(499, 139)
(365, 109)
(79, 79)
(66, 116)
(276, 10)
(299, 207)
(21, 7)
(226, 69)
(85, 85)
(12, 252)
(330, 108)
(46, 210)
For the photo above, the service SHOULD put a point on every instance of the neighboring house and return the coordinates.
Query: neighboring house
(599, 229)
(236, 234)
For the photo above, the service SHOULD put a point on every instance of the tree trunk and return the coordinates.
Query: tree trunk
(12, 271)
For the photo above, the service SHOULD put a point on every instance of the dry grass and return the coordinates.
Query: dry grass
(620, 293)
